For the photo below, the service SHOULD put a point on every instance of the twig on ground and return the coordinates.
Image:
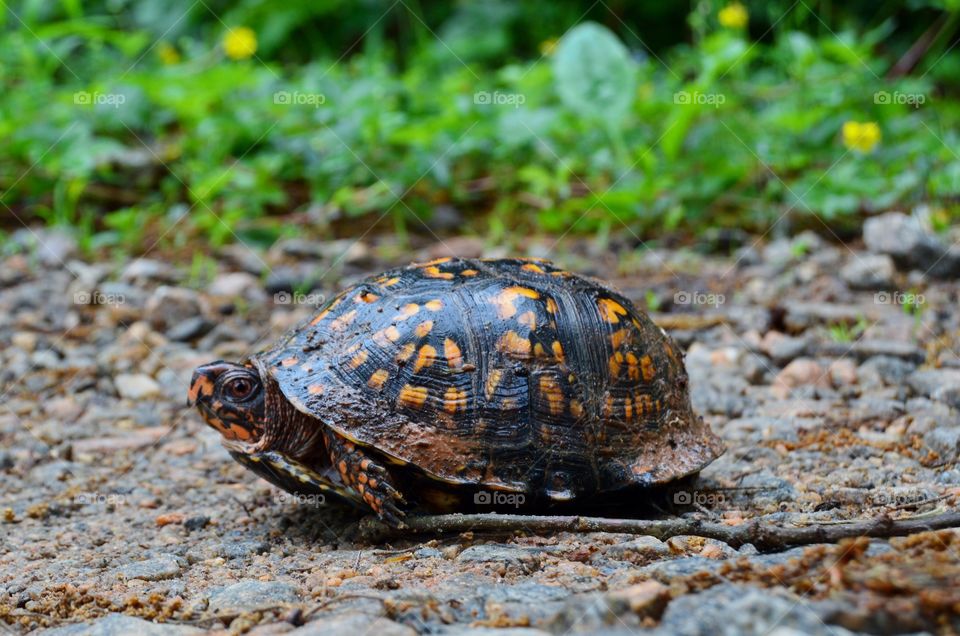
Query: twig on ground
(763, 534)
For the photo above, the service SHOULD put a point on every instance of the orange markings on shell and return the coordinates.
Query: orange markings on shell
(436, 261)
(315, 389)
(405, 352)
(533, 267)
(425, 358)
(434, 305)
(367, 297)
(647, 368)
(505, 300)
(434, 272)
(557, 350)
(512, 343)
(528, 319)
(452, 353)
(454, 400)
(412, 396)
(410, 309)
(550, 389)
(378, 378)
(289, 362)
(343, 321)
(423, 328)
(469, 272)
(611, 310)
(493, 380)
(358, 359)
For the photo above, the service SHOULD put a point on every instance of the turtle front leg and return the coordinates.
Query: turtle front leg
(366, 477)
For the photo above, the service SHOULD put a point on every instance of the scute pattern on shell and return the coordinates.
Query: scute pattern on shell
(509, 374)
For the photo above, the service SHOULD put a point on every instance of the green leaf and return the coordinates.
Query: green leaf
(594, 74)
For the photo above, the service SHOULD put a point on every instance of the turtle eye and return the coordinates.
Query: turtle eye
(240, 388)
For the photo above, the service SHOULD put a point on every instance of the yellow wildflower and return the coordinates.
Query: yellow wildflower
(168, 53)
(547, 47)
(734, 16)
(861, 136)
(240, 43)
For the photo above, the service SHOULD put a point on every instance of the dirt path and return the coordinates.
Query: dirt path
(832, 375)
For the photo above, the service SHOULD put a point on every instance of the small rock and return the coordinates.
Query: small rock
(169, 306)
(169, 518)
(909, 244)
(870, 272)
(800, 372)
(196, 523)
(942, 385)
(136, 386)
(146, 269)
(353, 624)
(643, 549)
(945, 442)
(190, 329)
(237, 285)
(884, 371)
(649, 598)
(248, 596)
(159, 569)
(499, 553)
(783, 348)
(843, 372)
(427, 553)
(120, 625)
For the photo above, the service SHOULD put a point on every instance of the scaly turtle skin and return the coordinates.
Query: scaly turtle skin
(437, 381)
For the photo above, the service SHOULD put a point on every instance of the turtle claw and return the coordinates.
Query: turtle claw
(367, 478)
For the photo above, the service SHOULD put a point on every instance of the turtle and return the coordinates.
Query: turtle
(461, 381)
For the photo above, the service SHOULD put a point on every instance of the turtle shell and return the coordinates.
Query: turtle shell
(509, 374)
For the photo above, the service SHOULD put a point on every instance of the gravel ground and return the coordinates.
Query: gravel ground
(121, 513)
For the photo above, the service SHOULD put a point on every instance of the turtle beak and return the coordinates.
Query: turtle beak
(204, 380)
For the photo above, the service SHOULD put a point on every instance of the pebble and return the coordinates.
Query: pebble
(160, 568)
(237, 285)
(800, 372)
(870, 272)
(142, 270)
(353, 624)
(120, 625)
(499, 553)
(905, 239)
(942, 385)
(169, 306)
(742, 610)
(190, 329)
(640, 550)
(248, 596)
(136, 386)
(945, 442)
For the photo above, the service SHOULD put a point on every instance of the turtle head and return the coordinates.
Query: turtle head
(231, 399)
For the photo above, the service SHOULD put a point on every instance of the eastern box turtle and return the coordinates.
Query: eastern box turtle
(446, 382)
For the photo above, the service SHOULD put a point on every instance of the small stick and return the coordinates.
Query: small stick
(762, 533)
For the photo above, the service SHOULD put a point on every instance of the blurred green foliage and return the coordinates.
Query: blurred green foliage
(129, 120)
